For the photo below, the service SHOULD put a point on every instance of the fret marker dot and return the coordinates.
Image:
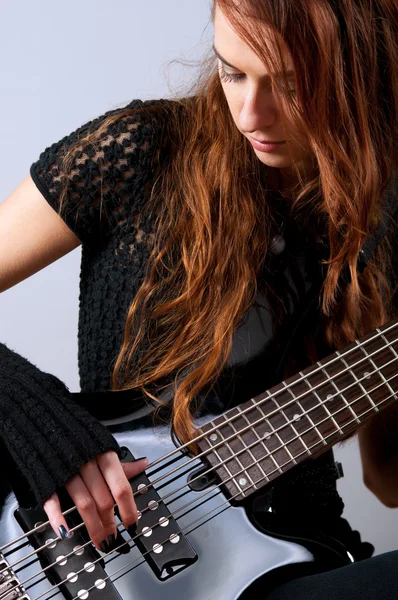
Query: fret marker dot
(242, 481)
(367, 375)
(297, 417)
(267, 436)
(329, 397)
(213, 437)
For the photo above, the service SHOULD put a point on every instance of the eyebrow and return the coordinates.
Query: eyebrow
(216, 52)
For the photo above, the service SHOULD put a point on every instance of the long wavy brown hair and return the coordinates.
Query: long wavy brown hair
(214, 221)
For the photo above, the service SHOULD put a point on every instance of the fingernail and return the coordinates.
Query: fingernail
(64, 533)
(104, 546)
(111, 539)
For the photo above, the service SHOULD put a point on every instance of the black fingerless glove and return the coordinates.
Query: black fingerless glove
(47, 434)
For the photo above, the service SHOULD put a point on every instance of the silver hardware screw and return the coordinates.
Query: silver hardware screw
(157, 548)
(140, 487)
(100, 584)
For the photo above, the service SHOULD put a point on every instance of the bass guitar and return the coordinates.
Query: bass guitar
(205, 528)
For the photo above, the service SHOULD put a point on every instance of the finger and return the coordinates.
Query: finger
(86, 506)
(132, 469)
(119, 485)
(52, 508)
(96, 485)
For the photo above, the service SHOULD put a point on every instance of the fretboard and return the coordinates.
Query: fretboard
(256, 442)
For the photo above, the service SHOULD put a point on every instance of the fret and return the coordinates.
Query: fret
(268, 430)
(315, 427)
(341, 395)
(378, 371)
(297, 417)
(327, 399)
(258, 462)
(359, 382)
(309, 410)
(270, 437)
(284, 444)
(388, 344)
(242, 470)
(391, 348)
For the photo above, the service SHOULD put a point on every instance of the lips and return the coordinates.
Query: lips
(267, 141)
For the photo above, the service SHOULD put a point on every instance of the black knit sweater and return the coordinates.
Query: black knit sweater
(47, 434)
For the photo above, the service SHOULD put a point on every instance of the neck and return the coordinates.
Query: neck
(256, 442)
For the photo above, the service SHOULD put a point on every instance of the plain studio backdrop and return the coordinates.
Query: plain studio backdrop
(63, 64)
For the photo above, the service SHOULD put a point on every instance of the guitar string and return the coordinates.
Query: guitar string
(255, 463)
(212, 490)
(240, 452)
(235, 475)
(302, 377)
(287, 423)
(171, 494)
(157, 543)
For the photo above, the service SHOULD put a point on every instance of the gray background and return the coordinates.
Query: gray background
(63, 64)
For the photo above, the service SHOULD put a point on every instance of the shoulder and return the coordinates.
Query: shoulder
(104, 164)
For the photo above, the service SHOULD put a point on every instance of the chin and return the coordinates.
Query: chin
(273, 159)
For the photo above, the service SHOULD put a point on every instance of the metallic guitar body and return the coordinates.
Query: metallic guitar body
(232, 553)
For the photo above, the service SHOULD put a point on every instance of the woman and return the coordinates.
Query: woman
(205, 221)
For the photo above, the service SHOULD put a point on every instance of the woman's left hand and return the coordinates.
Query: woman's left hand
(378, 443)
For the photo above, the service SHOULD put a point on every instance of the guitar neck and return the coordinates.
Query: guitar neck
(256, 442)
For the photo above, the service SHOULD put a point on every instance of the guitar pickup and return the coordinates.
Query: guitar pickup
(74, 575)
(157, 534)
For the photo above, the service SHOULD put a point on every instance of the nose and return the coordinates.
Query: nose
(259, 111)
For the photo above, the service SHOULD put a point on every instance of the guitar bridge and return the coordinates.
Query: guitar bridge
(157, 534)
(10, 587)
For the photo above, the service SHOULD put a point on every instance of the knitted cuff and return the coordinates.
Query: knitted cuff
(49, 436)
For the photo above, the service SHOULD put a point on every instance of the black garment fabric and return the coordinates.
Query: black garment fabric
(372, 579)
(47, 434)
(108, 190)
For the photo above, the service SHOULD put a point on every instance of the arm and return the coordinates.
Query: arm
(27, 223)
(53, 441)
(378, 444)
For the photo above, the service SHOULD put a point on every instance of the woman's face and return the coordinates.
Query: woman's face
(253, 103)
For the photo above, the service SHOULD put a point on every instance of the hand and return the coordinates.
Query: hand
(378, 443)
(99, 484)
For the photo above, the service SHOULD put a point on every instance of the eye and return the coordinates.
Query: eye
(284, 92)
(230, 77)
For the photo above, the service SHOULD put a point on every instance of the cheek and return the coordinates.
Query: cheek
(235, 102)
